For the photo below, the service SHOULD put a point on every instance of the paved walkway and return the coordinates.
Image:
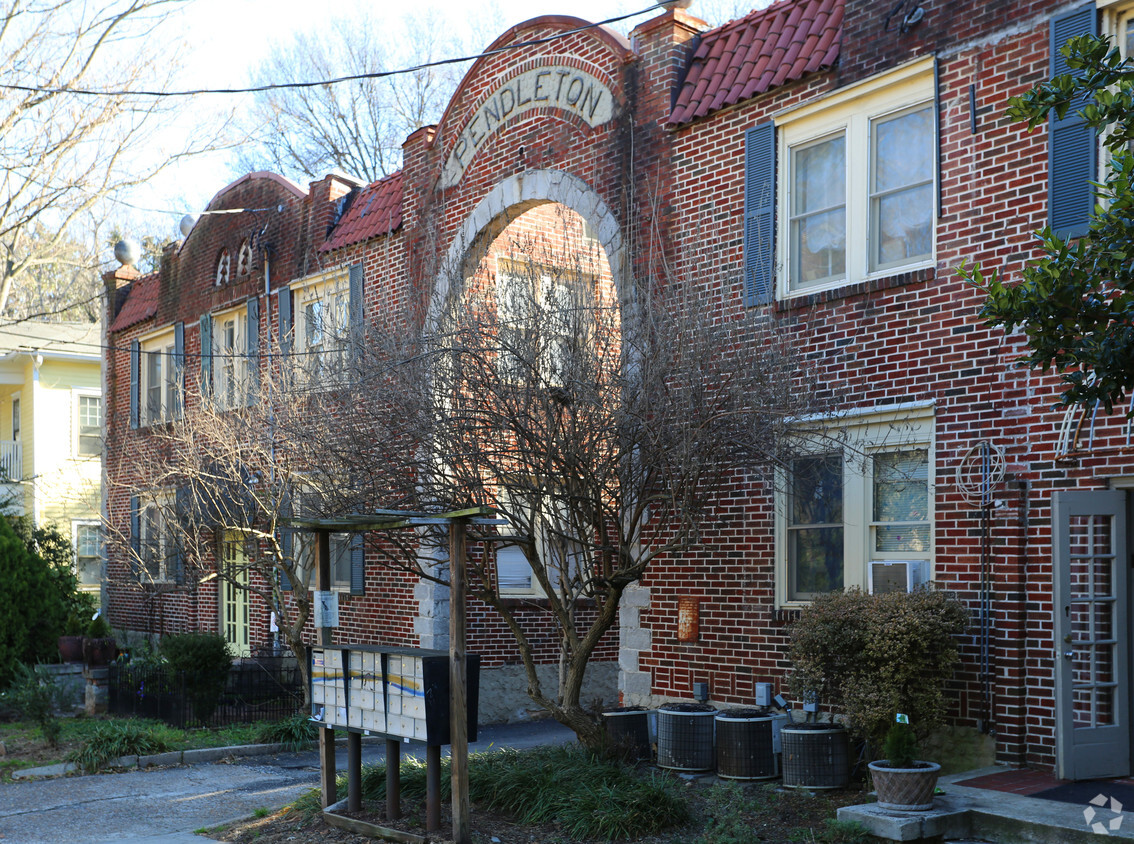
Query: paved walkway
(164, 806)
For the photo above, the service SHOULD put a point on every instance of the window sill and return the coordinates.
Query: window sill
(871, 285)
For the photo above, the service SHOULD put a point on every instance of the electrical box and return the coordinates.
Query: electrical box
(763, 694)
(897, 575)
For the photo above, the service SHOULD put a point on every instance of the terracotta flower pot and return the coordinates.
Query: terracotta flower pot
(71, 648)
(905, 789)
(98, 652)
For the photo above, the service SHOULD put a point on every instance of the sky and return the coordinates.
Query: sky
(222, 42)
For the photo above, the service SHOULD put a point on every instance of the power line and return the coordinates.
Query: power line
(380, 74)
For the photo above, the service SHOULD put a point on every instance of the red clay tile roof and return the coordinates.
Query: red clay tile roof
(141, 303)
(377, 209)
(759, 52)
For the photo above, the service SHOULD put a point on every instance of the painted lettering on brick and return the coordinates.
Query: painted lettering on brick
(566, 88)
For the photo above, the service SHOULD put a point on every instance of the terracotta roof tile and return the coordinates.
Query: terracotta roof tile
(141, 303)
(761, 51)
(376, 210)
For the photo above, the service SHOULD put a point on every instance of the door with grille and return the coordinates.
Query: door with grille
(1091, 639)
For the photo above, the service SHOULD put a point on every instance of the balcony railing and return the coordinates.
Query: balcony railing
(11, 461)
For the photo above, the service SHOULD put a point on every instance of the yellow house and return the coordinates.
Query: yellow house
(51, 432)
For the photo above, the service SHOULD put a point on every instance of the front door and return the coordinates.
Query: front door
(234, 594)
(1091, 640)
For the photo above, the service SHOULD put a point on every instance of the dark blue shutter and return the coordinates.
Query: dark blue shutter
(179, 531)
(356, 316)
(287, 320)
(759, 214)
(178, 370)
(253, 348)
(135, 536)
(1072, 144)
(287, 540)
(206, 354)
(357, 564)
(135, 382)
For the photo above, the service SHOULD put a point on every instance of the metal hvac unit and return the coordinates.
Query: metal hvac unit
(897, 575)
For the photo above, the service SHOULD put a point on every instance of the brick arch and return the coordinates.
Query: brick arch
(509, 199)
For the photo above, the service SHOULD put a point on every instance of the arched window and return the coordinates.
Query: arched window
(224, 266)
(244, 259)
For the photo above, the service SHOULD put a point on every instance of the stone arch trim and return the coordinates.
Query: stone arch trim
(515, 195)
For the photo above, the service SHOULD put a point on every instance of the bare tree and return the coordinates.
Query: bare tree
(64, 154)
(355, 127)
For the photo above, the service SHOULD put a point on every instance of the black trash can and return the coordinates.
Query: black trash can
(815, 756)
(744, 745)
(628, 729)
(685, 737)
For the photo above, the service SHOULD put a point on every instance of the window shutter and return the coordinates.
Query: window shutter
(177, 540)
(252, 343)
(759, 214)
(206, 354)
(287, 320)
(135, 536)
(357, 564)
(287, 539)
(135, 382)
(179, 370)
(1072, 144)
(356, 315)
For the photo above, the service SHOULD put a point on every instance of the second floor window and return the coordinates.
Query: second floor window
(230, 360)
(90, 426)
(159, 379)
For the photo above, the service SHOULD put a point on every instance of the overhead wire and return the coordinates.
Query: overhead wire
(356, 77)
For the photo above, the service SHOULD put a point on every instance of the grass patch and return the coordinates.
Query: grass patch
(293, 733)
(112, 740)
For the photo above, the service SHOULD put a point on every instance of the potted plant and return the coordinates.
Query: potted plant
(903, 782)
(99, 646)
(71, 642)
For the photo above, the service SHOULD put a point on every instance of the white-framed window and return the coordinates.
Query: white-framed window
(542, 316)
(159, 378)
(16, 416)
(157, 540)
(857, 182)
(88, 424)
(560, 553)
(87, 538)
(858, 493)
(230, 358)
(322, 327)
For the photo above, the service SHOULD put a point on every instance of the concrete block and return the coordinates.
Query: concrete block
(629, 617)
(634, 638)
(636, 597)
(173, 757)
(949, 818)
(628, 660)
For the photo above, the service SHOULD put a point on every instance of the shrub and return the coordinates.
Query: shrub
(98, 628)
(35, 697)
(872, 656)
(293, 733)
(900, 746)
(114, 739)
(39, 594)
(205, 660)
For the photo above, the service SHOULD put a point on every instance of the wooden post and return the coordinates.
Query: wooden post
(458, 706)
(432, 787)
(354, 771)
(329, 792)
(394, 780)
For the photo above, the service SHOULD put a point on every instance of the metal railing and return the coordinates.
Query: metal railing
(256, 689)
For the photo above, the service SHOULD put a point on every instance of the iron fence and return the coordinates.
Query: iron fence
(256, 689)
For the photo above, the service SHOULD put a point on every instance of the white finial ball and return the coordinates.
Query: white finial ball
(127, 252)
(186, 224)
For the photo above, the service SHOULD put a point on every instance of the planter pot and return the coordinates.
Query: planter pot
(98, 651)
(71, 648)
(905, 789)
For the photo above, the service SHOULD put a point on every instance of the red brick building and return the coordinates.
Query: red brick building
(842, 158)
